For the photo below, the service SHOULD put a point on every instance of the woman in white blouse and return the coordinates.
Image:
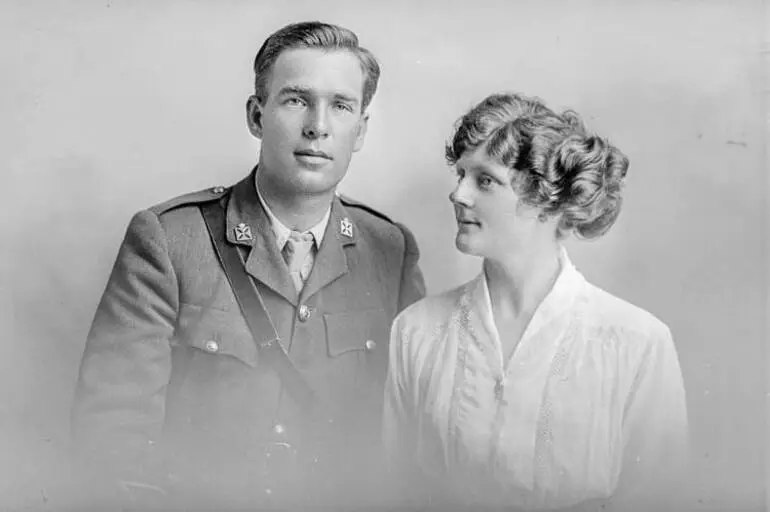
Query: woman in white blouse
(528, 387)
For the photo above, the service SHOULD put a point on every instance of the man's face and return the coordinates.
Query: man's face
(310, 121)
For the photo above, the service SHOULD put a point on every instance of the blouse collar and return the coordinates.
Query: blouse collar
(559, 299)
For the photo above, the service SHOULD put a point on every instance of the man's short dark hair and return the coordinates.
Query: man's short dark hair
(314, 34)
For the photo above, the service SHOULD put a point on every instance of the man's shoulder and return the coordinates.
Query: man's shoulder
(365, 213)
(384, 232)
(189, 199)
(376, 223)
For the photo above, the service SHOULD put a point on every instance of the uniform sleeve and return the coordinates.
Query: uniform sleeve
(412, 281)
(119, 403)
(655, 430)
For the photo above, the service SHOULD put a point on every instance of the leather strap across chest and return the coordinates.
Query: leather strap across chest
(254, 312)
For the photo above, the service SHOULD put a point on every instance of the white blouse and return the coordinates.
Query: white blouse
(591, 402)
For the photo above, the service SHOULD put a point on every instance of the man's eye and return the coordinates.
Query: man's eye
(343, 106)
(294, 101)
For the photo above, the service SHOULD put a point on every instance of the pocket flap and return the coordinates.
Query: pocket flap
(216, 332)
(357, 330)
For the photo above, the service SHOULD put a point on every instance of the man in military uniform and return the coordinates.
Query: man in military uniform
(174, 394)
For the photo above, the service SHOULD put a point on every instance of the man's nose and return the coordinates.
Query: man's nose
(316, 123)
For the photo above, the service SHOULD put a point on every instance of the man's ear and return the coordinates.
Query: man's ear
(363, 125)
(254, 116)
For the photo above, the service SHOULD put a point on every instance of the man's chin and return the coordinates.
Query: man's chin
(294, 181)
(314, 183)
(465, 245)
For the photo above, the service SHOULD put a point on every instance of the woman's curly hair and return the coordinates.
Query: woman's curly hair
(559, 167)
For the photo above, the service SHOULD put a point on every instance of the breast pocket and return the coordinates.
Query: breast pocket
(357, 341)
(215, 332)
(215, 358)
(218, 388)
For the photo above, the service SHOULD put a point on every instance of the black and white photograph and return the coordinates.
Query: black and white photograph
(347, 255)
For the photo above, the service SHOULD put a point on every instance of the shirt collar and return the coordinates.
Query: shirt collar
(282, 231)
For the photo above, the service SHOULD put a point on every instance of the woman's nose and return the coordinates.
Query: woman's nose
(460, 195)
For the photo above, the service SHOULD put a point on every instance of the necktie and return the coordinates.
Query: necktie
(297, 252)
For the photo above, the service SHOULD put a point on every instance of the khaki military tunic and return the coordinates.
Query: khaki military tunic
(171, 386)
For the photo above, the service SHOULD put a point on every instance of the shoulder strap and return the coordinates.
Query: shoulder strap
(253, 308)
(347, 201)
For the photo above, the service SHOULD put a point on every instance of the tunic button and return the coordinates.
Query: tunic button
(279, 429)
(303, 313)
(212, 346)
(370, 345)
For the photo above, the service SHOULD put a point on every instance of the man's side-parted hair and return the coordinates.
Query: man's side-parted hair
(319, 35)
(558, 166)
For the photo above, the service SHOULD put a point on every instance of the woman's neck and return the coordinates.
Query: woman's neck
(519, 283)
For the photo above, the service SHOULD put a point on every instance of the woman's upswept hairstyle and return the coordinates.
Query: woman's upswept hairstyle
(314, 34)
(559, 167)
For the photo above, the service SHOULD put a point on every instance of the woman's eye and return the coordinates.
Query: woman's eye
(485, 182)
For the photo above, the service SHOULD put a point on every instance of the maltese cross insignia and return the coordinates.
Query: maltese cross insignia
(346, 227)
(242, 232)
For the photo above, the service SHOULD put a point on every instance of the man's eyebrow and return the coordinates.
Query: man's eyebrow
(346, 97)
(294, 89)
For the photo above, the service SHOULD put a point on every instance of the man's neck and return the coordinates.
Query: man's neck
(298, 212)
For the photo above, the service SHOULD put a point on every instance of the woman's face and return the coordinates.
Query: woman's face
(492, 222)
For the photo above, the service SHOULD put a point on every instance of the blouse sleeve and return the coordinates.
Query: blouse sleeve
(400, 424)
(655, 428)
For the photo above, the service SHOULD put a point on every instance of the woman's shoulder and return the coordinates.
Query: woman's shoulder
(434, 308)
(417, 331)
(611, 314)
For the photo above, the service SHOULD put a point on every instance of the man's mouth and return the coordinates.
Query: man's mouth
(312, 154)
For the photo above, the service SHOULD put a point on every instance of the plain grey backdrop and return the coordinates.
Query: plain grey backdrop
(110, 106)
